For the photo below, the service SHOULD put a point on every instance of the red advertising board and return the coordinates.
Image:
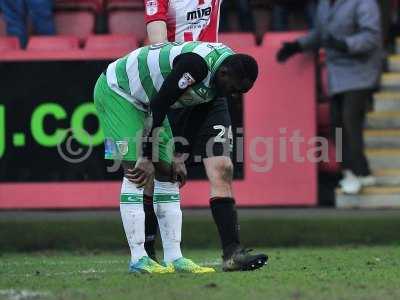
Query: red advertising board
(279, 130)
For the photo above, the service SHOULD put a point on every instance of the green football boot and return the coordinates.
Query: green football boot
(146, 265)
(185, 265)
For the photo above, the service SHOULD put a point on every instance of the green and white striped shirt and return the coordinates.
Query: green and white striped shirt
(138, 76)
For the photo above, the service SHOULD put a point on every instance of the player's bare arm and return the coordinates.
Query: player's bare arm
(157, 31)
(156, 13)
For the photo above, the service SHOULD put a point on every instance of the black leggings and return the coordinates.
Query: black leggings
(348, 112)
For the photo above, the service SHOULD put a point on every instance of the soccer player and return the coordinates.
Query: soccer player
(132, 99)
(189, 20)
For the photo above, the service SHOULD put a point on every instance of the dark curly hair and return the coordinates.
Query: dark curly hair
(242, 65)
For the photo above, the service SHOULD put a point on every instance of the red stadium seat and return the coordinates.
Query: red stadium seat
(77, 23)
(127, 22)
(53, 43)
(237, 40)
(93, 5)
(2, 26)
(9, 43)
(124, 4)
(111, 42)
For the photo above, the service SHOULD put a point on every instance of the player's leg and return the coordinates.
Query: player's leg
(166, 198)
(132, 214)
(354, 112)
(167, 207)
(122, 123)
(151, 224)
(214, 144)
(133, 219)
(219, 170)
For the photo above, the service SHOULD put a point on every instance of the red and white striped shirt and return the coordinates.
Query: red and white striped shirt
(187, 20)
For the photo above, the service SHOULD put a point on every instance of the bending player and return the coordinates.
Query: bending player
(189, 20)
(132, 100)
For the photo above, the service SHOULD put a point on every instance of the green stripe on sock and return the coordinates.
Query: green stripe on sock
(131, 199)
(166, 198)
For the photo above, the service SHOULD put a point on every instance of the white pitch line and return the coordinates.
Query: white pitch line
(13, 294)
(211, 263)
(71, 273)
(58, 263)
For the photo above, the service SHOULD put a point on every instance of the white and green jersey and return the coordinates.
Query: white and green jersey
(138, 76)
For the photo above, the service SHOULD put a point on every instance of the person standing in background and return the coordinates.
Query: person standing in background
(182, 21)
(281, 11)
(390, 11)
(350, 32)
(245, 16)
(18, 12)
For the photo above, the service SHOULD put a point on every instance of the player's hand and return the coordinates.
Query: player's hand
(288, 50)
(141, 173)
(179, 172)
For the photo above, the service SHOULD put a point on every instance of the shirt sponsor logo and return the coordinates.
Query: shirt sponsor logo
(199, 14)
(185, 81)
(151, 7)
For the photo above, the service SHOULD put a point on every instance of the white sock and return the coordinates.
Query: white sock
(132, 214)
(168, 210)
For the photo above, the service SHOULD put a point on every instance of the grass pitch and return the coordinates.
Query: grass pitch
(292, 273)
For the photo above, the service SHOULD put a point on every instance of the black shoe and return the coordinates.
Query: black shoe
(242, 260)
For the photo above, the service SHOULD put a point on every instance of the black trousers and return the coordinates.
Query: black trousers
(348, 112)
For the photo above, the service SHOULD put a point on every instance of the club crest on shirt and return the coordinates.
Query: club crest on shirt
(185, 81)
(151, 7)
(122, 147)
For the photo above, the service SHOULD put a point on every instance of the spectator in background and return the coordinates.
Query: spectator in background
(245, 15)
(18, 12)
(281, 11)
(390, 11)
(350, 33)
